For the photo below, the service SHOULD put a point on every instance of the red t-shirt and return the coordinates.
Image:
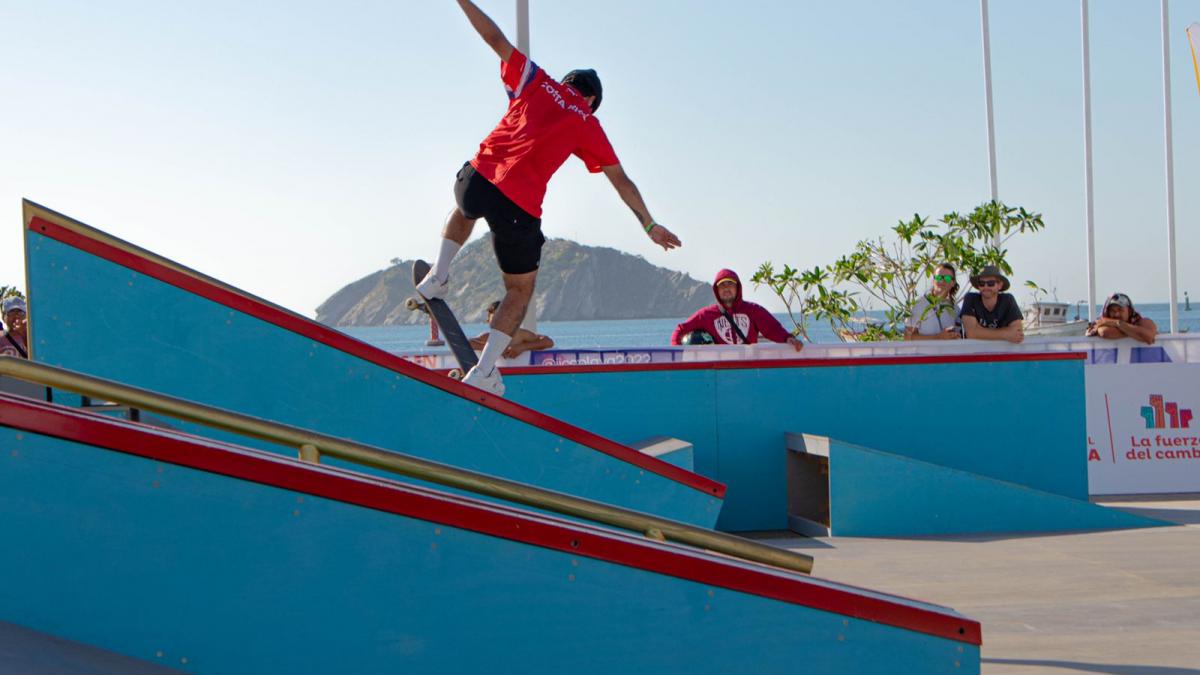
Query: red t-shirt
(546, 122)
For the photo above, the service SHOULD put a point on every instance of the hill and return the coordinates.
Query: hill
(575, 282)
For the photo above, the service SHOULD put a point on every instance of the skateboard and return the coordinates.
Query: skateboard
(439, 312)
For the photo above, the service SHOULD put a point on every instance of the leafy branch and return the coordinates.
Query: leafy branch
(892, 271)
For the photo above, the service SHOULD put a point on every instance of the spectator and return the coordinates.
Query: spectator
(991, 314)
(15, 340)
(734, 320)
(524, 340)
(934, 316)
(1119, 319)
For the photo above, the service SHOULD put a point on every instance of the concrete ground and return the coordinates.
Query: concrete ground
(27, 652)
(1123, 602)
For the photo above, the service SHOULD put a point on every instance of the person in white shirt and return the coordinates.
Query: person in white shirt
(934, 316)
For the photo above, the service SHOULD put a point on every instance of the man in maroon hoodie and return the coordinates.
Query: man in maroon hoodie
(733, 320)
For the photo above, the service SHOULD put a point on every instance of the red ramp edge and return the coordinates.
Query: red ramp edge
(73, 233)
(482, 517)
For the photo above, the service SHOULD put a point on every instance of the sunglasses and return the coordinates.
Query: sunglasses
(987, 284)
(943, 277)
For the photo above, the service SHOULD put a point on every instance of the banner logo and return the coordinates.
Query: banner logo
(1165, 415)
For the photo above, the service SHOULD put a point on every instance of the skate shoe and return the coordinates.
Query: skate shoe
(489, 382)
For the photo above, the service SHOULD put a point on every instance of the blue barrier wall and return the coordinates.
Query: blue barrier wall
(1015, 418)
(878, 494)
(216, 573)
(90, 314)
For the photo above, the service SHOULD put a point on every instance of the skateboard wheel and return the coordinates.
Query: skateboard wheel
(412, 304)
(456, 374)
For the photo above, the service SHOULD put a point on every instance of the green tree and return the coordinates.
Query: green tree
(892, 272)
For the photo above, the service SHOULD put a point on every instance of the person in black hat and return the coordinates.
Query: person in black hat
(546, 122)
(991, 314)
(1120, 320)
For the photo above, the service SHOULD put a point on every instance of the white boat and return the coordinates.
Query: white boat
(1050, 318)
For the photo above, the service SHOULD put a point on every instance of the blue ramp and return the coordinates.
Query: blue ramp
(843, 489)
(187, 335)
(212, 558)
(735, 413)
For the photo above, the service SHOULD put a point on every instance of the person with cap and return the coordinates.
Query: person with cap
(1120, 320)
(523, 341)
(732, 320)
(546, 122)
(15, 340)
(992, 313)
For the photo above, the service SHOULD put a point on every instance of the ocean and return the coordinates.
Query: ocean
(632, 333)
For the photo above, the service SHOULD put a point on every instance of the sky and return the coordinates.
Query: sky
(290, 148)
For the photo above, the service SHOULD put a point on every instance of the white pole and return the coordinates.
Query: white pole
(523, 26)
(987, 97)
(1087, 164)
(1170, 160)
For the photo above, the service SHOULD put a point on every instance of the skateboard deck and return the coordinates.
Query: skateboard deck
(440, 312)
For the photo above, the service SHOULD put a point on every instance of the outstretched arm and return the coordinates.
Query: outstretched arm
(770, 327)
(633, 199)
(694, 322)
(487, 29)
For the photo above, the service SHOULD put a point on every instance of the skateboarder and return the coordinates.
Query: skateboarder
(546, 122)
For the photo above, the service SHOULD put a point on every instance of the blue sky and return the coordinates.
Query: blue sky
(290, 148)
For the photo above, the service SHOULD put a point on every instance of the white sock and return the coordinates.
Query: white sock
(441, 268)
(496, 344)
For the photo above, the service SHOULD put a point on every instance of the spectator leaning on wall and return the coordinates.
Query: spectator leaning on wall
(934, 316)
(15, 340)
(1120, 320)
(991, 314)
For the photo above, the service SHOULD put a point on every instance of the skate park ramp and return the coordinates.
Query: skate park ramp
(170, 329)
(736, 415)
(845, 490)
(209, 557)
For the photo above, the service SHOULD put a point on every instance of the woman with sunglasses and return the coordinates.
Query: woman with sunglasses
(934, 316)
(1121, 320)
(992, 314)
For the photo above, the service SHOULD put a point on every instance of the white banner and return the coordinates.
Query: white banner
(1143, 430)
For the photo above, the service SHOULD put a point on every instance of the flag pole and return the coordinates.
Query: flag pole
(1170, 168)
(987, 98)
(1088, 213)
(523, 26)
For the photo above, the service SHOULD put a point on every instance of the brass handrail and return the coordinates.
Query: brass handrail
(312, 444)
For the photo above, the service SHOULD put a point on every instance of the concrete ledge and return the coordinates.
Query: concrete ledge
(841, 489)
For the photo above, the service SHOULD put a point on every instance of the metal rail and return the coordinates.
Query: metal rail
(312, 445)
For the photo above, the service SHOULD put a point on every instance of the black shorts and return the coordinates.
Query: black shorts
(516, 235)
